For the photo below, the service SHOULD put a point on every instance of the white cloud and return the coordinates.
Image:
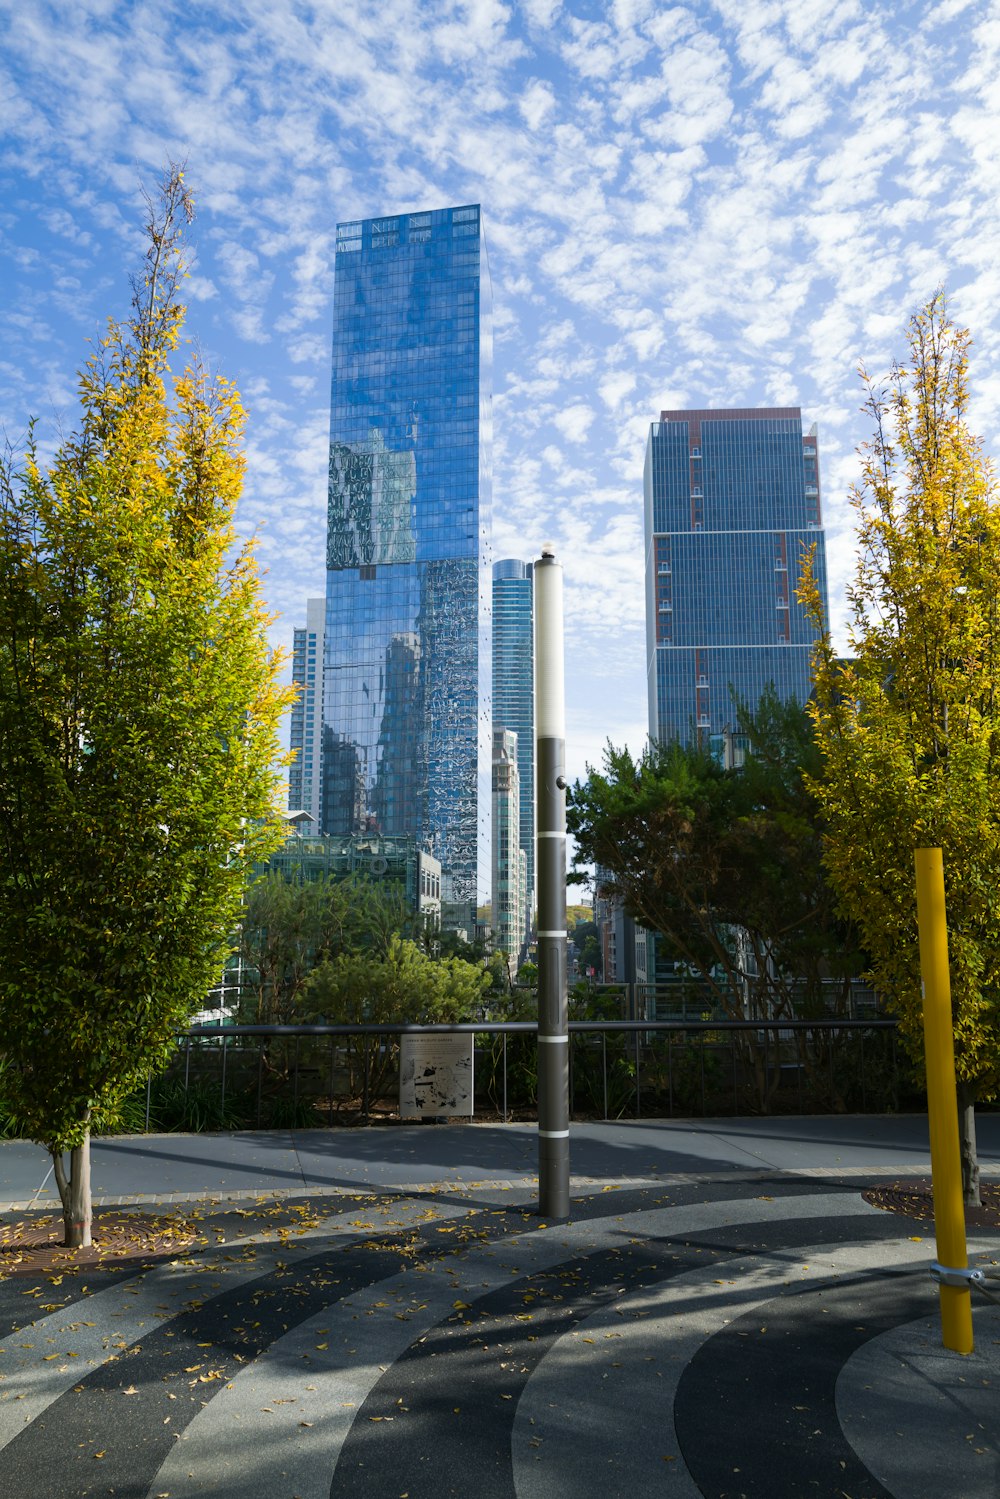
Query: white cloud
(726, 204)
(574, 421)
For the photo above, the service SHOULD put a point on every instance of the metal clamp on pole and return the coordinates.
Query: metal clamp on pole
(949, 1275)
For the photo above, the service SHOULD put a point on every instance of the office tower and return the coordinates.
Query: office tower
(405, 715)
(306, 728)
(732, 506)
(509, 863)
(514, 690)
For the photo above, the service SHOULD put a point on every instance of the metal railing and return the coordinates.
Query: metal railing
(295, 1074)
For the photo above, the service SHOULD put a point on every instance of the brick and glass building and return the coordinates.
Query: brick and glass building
(514, 693)
(307, 715)
(510, 871)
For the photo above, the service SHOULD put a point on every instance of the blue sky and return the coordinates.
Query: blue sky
(728, 203)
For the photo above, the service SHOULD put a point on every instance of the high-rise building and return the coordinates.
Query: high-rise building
(406, 682)
(732, 507)
(306, 724)
(514, 690)
(509, 864)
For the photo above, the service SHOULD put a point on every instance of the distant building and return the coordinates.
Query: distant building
(732, 505)
(509, 901)
(514, 693)
(397, 861)
(407, 604)
(307, 714)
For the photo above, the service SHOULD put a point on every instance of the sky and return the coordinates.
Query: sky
(728, 203)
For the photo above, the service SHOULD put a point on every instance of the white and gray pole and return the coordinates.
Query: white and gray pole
(550, 866)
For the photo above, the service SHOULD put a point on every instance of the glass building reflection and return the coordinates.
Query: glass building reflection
(407, 606)
(732, 508)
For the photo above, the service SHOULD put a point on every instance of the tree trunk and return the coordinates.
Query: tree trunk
(967, 1144)
(74, 1193)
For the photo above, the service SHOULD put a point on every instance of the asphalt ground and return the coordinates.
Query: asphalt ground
(383, 1313)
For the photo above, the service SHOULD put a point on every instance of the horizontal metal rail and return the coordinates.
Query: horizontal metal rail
(529, 1027)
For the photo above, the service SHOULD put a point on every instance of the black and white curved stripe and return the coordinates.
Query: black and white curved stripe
(682, 1341)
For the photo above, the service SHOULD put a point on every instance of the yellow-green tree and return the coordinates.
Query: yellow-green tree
(910, 728)
(138, 716)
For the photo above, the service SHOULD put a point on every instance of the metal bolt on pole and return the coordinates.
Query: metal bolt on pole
(550, 865)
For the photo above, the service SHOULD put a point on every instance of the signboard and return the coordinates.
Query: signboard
(435, 1076)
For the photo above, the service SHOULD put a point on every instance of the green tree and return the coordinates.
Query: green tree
(290, 925)
(587, 941)
(399, 986)
(402, 985)
(723, 863)
(908, 729)
(139, 710)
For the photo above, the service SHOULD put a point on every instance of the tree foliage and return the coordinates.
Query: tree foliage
(290, 926)
(138, 717)
(398, 986)
(908, 729)
(723, 863)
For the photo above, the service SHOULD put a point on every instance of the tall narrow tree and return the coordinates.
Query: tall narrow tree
(139, 706)
(909, 729)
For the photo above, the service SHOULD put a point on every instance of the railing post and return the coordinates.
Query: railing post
(638, 1099)
(505, 1115)
(604, 1070)
(732, 1054)
(670, 1072)
(222, 1101)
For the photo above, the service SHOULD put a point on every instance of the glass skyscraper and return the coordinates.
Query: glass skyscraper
(732, 504)
(514, 689)
(509, 898)
(307, 674)
(406, 680)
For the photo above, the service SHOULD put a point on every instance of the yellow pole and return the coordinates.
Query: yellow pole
(942, 1101)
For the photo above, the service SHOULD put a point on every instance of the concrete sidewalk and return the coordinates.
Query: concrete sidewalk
(166, 1168)
(732, 1318)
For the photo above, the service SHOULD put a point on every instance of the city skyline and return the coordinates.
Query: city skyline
(712, 206)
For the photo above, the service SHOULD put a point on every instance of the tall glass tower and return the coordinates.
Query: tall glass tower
(514, 689)
(406, 679)
(732, 506)
(306, 725)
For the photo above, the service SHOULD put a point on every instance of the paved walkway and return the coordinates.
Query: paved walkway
(381, 1312)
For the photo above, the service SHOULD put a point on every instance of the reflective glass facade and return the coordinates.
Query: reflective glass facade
(307, 674)
(407, 606)
(514, 688)
(508, 895)
(732, 506)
